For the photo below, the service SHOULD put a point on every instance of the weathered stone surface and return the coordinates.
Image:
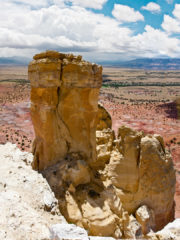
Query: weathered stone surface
(151, 176)
(64, 107)
(123, 166)
(170, 232)
(104, 118)
(29, 210)
(145, 216)
(132, 229)
(68, 232)
(27, 204)
(72, 232)
(102, 204)
(100, 180)
(104, 141)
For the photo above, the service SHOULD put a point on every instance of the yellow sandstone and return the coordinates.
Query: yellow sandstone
(118, 186)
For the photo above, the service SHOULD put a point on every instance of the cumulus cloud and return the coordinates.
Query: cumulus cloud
(154, 42)
(96, 4)
(172, 24)
(64, 29)
(152, 7)
(125, 13)
(176, 11)
(32, 3)
(71, 28)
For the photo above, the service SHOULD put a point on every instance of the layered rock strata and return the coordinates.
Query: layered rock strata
(64, 107)
(118, 186)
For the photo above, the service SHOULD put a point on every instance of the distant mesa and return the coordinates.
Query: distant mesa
(14, 61)
(147, 63)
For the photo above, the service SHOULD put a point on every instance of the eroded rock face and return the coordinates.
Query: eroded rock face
(104, 118)
(112, 186)
(64, 107)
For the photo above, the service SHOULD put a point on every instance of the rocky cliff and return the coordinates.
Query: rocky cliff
(64, 106)
(29, 209)
(118, 186)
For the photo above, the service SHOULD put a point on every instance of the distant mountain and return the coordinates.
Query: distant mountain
(148, 63)
(14, 61)
(141, 63)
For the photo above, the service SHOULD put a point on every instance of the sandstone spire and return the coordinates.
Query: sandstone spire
(64, 106)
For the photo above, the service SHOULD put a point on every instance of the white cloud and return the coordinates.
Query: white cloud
(125, 13)
(65, 29)
(171, 25)
(60, 3)
(96, 4)
(75, 29)
(32, 3)
(176, 11)
(154, 42)
(152, 7)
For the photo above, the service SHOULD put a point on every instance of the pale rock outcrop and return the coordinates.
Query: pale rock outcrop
(146, 218)
(27, 204)
(170, 232)
(68, 232)
(72, 232)
(101, 181)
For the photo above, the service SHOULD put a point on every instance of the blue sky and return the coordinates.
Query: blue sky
(154, 20)
(100, 30)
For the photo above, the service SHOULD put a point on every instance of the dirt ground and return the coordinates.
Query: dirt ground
(140, 99)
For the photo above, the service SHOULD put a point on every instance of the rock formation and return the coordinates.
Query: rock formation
(64, 107)
(29, 209)
(28, 206)
(112, 186)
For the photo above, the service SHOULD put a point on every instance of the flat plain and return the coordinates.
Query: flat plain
(140, 99)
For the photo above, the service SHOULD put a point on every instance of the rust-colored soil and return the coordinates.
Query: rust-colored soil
(15, 121)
